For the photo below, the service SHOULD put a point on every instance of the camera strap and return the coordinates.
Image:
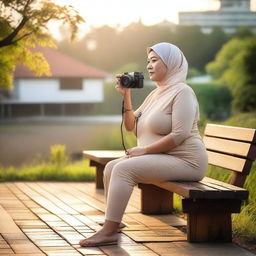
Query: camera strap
(136, 125)
(122, 134)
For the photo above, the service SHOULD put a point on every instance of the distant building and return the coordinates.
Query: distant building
(70, 90)
(231, 15)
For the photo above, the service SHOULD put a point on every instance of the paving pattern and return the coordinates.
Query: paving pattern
(49, 218)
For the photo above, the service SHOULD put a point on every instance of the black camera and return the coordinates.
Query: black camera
(132, 80)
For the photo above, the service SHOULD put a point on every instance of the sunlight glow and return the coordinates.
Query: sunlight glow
(120, 13)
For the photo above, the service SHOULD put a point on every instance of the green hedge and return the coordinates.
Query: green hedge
(214, 100)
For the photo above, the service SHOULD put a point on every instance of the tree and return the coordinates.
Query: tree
(24, 26)
(235, 65)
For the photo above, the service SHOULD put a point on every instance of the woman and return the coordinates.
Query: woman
(169, 144)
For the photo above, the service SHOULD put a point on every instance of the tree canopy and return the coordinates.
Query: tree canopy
(113, 48)
(23, 26)
(235, 65)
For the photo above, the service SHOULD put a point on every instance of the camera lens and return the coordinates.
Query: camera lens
(126, 80)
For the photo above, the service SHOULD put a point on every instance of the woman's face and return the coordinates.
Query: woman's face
(157, 70)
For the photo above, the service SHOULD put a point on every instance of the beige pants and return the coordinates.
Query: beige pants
(121, 175)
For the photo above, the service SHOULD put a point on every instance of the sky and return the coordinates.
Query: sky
(123, 12)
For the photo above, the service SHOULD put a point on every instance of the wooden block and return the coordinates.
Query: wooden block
(170, 235)
(90, 251)
(13, 236)
(155, 200)
(4, 252)
(24, 248)
(211, 205)
(171, 220)
(99, 174)
(8, 225)
(209, 227)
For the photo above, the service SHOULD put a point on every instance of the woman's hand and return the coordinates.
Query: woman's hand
(119, 87)
(136, 151)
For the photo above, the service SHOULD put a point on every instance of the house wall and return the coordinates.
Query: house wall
(48, 91)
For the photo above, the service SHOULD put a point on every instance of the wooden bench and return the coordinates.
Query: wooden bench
(208, 203)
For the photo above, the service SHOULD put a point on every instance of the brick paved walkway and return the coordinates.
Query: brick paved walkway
(49, 218)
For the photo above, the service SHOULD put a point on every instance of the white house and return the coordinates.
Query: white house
(71, 89)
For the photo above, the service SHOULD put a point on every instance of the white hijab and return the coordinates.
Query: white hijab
(175, 61)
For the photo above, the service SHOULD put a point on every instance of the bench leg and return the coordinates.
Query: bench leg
(210, 220)
(99, 174)
(155, 200)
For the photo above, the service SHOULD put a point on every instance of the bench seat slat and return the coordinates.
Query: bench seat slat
(185, 190)
(223, 184)
(209, 192)
(205, 189)
(215, 186)
(103, 156)
(236, 194)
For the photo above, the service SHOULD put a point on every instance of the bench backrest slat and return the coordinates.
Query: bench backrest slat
(231, 132)
(229, 162)
(232, 148)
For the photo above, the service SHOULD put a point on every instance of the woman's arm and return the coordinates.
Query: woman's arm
(161, 146)
(129, 117)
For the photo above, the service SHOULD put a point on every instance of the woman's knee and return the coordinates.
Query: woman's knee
(123, 171)
(108, 169)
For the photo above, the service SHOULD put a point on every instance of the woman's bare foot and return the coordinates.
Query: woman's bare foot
(107, 235)
(99, 239)
(122, 225)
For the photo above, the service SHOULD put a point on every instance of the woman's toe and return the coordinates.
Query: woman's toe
(83, 242)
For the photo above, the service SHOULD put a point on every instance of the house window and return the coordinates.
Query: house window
(71, 83)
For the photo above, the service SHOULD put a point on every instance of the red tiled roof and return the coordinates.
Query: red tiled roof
(62, 65)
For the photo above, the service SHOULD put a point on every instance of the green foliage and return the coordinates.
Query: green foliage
(242, 32)
(112, 104)
(58, 155)
(129, 67)
(246, 120)
(244, 224)
(23, 26)
(58, 168)
(79, 171)
(115, 48)
(235, 66)
(214, 101)
(192, 72)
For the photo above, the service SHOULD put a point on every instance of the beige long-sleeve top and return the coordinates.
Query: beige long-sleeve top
(174, 111)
